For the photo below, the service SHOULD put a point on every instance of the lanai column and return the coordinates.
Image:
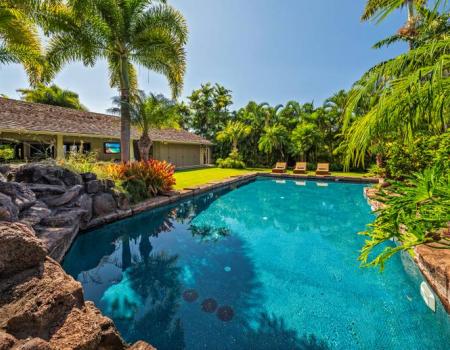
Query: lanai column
(59, 147)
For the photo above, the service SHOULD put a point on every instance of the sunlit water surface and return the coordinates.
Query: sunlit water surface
(270, 265)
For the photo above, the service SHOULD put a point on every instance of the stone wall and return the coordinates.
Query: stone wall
(56, 202)
(43, 308)
(435, 266)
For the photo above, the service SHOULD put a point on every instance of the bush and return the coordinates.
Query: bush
(6, 152)
(136, 189)
(157, 177)
(404, 160)
(376, 171)
(80, 162)
(233, 161)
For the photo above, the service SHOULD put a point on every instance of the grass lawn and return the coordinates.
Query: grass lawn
(196, 177)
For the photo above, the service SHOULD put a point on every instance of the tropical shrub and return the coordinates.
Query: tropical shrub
(6, 152)
(416, 211)
(136, 189)
(156, 175)
(80, 162)
(233, 161)
(110, 170)
(404, 159)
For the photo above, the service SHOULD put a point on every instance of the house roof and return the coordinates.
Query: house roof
(20, 116)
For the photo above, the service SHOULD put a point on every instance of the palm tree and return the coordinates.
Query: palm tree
(233, 132)
(303, 138)
(124, 32)
(270, 113)
(274, 138)
(380, 9)
(149, 111)
(52, 95)
(19, 39)
(411, 97)
(430, 24)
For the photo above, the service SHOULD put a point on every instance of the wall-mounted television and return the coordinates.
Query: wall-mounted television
(111, 147)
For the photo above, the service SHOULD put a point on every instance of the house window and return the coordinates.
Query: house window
(111, 147)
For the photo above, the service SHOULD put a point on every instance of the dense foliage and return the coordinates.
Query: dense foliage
(406, 125)
(260, 134)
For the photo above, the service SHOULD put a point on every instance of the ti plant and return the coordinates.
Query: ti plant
(415, 212)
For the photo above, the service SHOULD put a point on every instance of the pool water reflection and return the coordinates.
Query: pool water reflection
(266, 266)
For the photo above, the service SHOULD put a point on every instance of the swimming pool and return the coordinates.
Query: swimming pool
(269, 265)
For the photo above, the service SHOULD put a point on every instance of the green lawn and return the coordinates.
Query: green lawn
(188, 178)
(196, 177)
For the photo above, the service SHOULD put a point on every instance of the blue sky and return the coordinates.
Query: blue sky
(263, 50)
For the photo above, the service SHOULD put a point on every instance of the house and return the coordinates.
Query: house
(39, 131)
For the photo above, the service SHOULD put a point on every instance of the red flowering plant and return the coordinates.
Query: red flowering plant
(152, 177)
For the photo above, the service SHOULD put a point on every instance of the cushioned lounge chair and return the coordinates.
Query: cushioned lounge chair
(300, 168)
(323, 169)
(280, 168)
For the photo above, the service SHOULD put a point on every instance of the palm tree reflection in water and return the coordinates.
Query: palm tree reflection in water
(146, 303)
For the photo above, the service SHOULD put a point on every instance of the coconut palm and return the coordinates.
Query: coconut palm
(124, 32)
(149, 111)
(19, 39)
(233, 132)
(430, 25)
(52, 95)
(380, 9)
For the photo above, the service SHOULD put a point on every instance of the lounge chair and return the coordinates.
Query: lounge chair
(323, 169)
(300, 168)
(280, 168)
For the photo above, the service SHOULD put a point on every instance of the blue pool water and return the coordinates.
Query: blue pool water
(269, 265)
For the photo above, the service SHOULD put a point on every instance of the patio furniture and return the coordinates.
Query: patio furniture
(323, 169)
(280, 168)
(300, 168)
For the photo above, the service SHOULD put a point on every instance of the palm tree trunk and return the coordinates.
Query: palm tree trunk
(379, 160)
(144, 144)
(235, 148)
(410, 5)
(125, 120)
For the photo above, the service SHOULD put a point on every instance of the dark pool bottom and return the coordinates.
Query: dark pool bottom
(270, 265)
